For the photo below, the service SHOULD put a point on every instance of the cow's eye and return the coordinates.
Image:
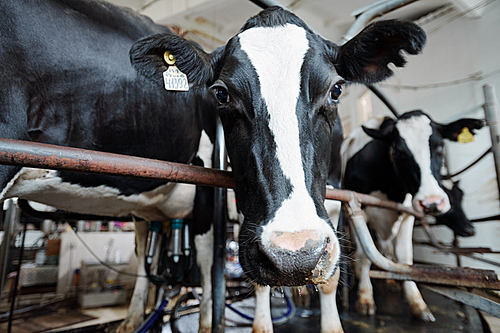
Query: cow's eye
(222, 95)
(336, 92)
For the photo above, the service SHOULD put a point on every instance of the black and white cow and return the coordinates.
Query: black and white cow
(455, 218)
(399, 160)
(278, 86)
(66, 79)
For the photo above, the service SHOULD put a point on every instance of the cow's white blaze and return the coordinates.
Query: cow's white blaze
(277, 54)
(416, 132)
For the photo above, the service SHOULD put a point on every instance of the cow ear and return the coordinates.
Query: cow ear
(147, 57)
(452, 130)
(365, 57)
(384, 133)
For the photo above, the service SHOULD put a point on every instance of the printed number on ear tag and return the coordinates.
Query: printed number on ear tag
(466, 136)
(175, 80)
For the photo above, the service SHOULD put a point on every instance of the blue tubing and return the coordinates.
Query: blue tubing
(238, 312)
(153, 317)
(286, 315)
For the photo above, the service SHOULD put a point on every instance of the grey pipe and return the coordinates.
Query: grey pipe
(492, 114)
(370, 14)
(220, 209)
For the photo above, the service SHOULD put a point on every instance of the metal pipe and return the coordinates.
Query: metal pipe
(39, 155)
(368, 200)
(370, 14)
(362, 234)
(11, 219)
(492, 113)
(267, 3)
(476, 301)
(219, 262)
(466, 277)
(16, 283)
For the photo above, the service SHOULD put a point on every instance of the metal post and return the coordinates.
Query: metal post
(218, 268)
(492, 114)
(16, 283)
(11, 217)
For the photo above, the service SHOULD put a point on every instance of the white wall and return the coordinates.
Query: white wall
(69, 259)
(457, 47)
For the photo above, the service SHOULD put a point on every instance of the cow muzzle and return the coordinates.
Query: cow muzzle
(433, 205)
(301, 257)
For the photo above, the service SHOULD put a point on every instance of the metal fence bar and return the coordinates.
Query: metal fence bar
(22, 153)
(468, 298)
(39, 155)
(45, 156)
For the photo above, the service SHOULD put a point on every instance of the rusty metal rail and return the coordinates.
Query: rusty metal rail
(37, 155)
(40, 155)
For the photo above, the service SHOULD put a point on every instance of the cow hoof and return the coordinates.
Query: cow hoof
(366, 307)
(424, 315)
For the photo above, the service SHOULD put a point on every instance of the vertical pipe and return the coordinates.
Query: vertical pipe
(220, 201)
(16, 283)
(9, 227)
(492, 114)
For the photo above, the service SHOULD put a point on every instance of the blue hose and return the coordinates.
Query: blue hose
(153, 316)
(238, 312)
(285, 316)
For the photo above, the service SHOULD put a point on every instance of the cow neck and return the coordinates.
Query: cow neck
(400, 181)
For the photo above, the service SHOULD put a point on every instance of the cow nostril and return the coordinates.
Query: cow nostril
(297, 253)
(432, 204)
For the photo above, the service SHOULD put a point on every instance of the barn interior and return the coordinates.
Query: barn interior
(63, 272)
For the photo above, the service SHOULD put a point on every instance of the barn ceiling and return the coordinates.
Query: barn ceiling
(213, 22)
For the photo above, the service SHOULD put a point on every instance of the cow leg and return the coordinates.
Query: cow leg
(404, 254)
(330, 321)
(365, 303)
(262, 322)
(204, 258)
(135, 315)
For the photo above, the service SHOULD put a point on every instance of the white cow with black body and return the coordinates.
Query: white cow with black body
(398, 160)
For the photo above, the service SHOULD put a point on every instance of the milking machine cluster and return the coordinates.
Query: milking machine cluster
(177, 261)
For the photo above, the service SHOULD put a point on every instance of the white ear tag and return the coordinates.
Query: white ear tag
(175, 80)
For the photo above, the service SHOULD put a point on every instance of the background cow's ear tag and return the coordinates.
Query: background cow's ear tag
(173, 78)
(466, 136)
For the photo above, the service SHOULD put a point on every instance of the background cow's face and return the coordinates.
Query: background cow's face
(277, 85)
(455, 218)
(416, 152)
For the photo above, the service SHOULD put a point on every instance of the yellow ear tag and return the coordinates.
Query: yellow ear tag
(169, 58)
(173, 78)
(466, 136)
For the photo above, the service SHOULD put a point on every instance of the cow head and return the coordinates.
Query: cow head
(277, 86)
(416, 152)
(455, 218)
